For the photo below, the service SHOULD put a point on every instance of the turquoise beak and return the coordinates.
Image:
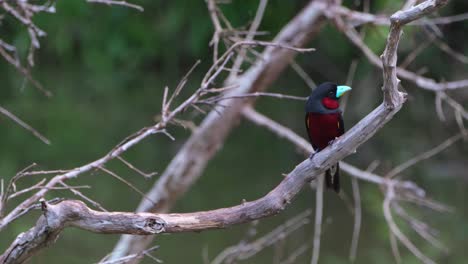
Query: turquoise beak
(341, 89)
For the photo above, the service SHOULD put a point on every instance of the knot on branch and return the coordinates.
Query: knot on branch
(155, 225)
(395, 19)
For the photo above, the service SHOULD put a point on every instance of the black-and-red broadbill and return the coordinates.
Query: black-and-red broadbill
(324, 123)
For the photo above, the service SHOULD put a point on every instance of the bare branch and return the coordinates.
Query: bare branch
(272, 203)
(84, 197)
(23, 13)
(126, 144)
(117, 3)
(414, 54)
(349, 82)
(390, 195)
(454, 104)
(448, 50)
(186, 167)
(318, 220)
(256, 94)
(213, 9)
(144, 174)
(305, 148)
(11, 187)
(250, 35)
(303, 74)
(394, 247)
(24, 125)
(245, 250)
(423, 156)
(449, 19)
(422, 82)
(133, 187)
(125, 259)
(357, 220)
(30, 173)
(296, 253)
(356, 18)
(424, 230)
(39, 185)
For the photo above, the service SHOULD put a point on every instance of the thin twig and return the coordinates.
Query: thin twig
(422, 82)
(415, 52)
(144, 174)
(296, 253)
(390, 195)
(118, 3)
(123, 146)
(40, 186)
(423, 156)
(11, 187)
(256, 94)
(127, 258)
(349, 82)
(113, 174)
(84, 197)
(454, 104)
(24, 125)
(30, 173)
(213, 10)
(318, 220)
(394, 247)
(303, 74)
(250, 35)
(423, 229)
(245, 250)
(357, 220)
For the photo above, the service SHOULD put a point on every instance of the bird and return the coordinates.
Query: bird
(324, 123)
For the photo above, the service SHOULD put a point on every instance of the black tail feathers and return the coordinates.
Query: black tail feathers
(332, 178)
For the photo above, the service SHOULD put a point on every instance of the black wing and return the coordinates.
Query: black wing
(308, 127)
(341, 129)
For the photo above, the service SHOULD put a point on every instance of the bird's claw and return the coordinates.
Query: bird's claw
(332, 141)
(312, 155)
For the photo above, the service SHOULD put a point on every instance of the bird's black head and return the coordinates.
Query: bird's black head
(326, 89)
(324, 98)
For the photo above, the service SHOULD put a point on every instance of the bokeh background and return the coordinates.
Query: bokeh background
(107, 67)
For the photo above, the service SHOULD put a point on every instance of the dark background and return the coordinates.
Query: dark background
(107, 67)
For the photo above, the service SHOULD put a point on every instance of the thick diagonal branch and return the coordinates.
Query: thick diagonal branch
(77, 214)
(73, 213)
(204, 143)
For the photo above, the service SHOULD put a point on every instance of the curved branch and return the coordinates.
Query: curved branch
(75, 213)
(189, 163)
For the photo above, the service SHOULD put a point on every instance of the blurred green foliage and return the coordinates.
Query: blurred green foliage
(107, 67)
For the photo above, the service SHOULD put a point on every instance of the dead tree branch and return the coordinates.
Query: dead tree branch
(420, 81)
(189, 163)
(245, 250)
(168, 115)
(118, 3)
(192, 158)
(272, 203)
(318, 220)
(20, 122)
